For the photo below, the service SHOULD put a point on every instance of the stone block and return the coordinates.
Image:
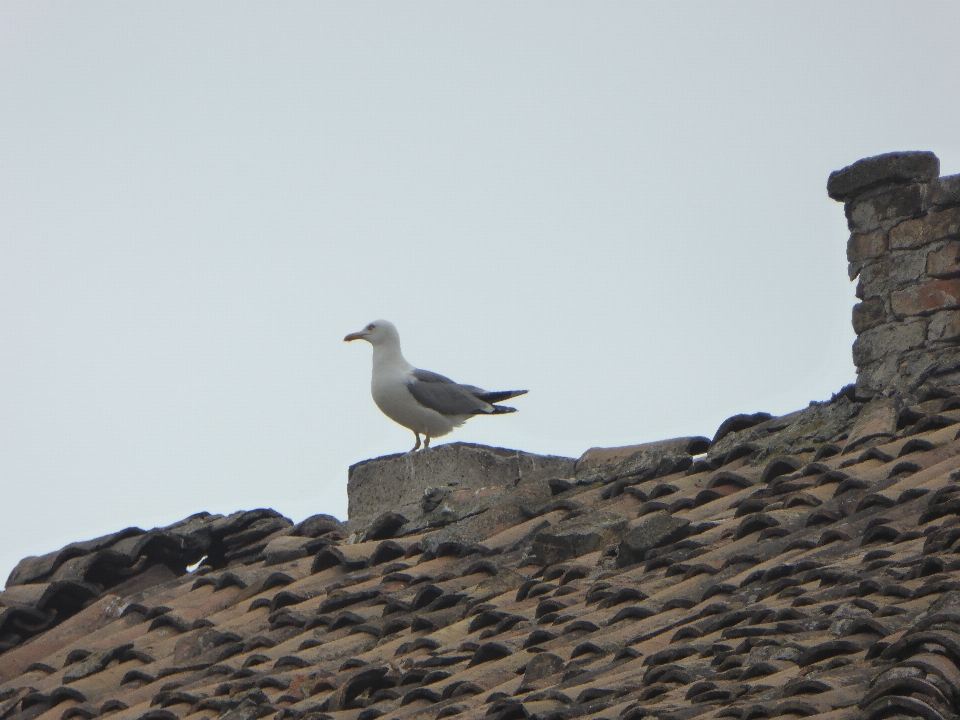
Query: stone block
(506, 510)
(926, 298)
(944, 192)
(650, 531)
(864, 246)
(944, 326)
(600, 456)
(869, 314)
(438, 507)
(922, 231)
(578, 536)
(396, 483)
(946, 374)
(877, 377)
(887, 169)
(884, 210)
(893, 338)
(891, 272)
(931, 364)
(648, 460)
(944, 261)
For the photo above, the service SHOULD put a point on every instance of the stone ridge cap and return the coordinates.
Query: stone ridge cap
(501, 451)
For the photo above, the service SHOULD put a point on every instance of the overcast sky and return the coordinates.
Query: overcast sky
(620, 206)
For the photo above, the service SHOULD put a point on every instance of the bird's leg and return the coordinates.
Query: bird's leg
(417, 446)
(426, 442)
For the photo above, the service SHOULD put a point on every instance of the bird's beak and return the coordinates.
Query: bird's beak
(355, 336)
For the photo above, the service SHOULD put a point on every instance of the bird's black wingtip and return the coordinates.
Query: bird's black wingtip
(500, 395)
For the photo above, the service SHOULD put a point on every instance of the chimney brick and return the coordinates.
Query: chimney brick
(866, 246)
(883, 210)
(926, 299)
(944, 192)
(891, 339)
(945, 261)
(869, 314)
(925, 230)
(944, 327)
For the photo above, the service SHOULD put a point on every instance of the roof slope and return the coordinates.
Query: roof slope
(803, 566)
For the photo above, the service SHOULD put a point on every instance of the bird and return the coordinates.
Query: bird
(425, 402)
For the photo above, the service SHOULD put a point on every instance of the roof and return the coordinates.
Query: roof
(795, 566)
(801, 566)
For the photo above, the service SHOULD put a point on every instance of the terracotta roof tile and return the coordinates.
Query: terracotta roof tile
(804, 566)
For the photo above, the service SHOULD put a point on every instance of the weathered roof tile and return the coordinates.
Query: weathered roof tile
(779, 585)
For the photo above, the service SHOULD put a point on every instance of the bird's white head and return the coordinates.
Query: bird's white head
(379, 332)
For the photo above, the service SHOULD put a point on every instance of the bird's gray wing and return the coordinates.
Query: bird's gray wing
(442, 394)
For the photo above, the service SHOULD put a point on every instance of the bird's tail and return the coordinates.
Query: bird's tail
(501, 409)
(499, 396)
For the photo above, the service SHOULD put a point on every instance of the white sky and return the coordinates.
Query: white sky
(620, 206)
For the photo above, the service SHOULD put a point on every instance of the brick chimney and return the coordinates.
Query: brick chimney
(904, 245)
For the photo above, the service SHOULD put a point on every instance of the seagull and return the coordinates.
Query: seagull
(420, 400)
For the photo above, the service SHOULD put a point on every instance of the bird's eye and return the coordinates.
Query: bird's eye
(371, 326)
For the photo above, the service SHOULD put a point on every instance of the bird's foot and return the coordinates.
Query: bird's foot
(417, 446)
(426, 442)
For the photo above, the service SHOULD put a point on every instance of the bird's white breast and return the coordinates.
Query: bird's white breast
(393, 397)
